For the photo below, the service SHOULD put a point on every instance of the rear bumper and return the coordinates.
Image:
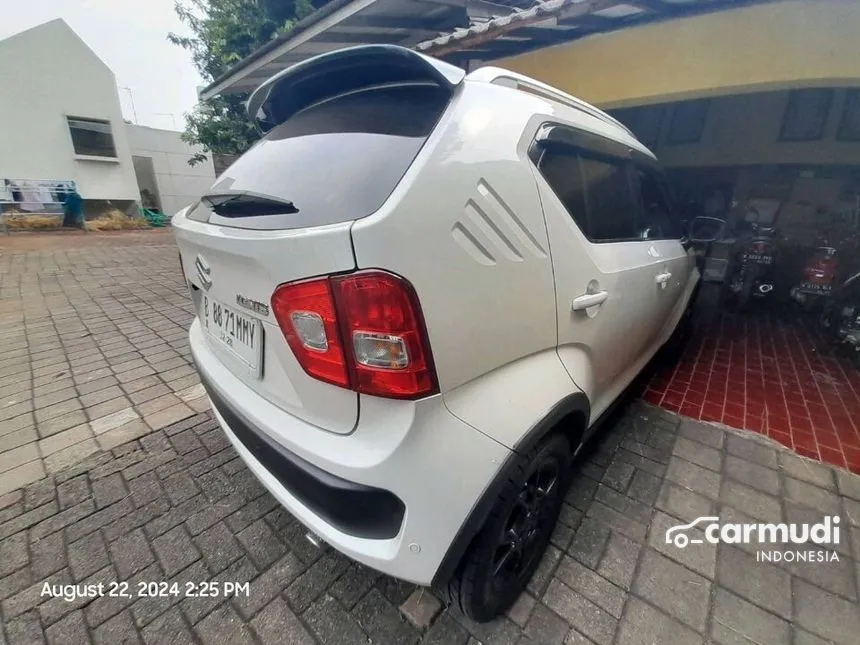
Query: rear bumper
(392, 495)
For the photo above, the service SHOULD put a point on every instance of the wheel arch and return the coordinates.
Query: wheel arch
(570, 416)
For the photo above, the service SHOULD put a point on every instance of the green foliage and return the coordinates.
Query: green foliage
(223, 33)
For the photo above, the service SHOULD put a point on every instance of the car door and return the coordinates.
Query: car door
(672, 265)
(603, 273)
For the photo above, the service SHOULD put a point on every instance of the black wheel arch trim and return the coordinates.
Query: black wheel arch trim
(576, 403)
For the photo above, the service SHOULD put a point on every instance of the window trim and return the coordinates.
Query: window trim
(598, 148)
(85, 157)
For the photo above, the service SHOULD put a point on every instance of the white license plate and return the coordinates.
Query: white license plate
(758, 258)
(241, 335)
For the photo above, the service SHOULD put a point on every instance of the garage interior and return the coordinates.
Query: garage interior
(768, 367)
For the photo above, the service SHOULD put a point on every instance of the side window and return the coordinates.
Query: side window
(595, 191)
(658, 219)
(611, 207)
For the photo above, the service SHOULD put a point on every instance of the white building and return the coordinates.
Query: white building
(63, 122)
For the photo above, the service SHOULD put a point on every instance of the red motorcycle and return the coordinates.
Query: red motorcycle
(819, 278)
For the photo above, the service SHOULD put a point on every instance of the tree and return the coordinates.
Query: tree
(225, 32)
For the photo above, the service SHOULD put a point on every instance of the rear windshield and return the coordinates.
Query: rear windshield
(333, 162)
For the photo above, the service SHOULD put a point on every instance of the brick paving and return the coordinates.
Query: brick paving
(178, 505)
(93, 342)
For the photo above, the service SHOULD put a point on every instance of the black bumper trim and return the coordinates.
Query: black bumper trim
(355, 509)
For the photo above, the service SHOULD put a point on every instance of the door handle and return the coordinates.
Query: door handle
(663, 279)
(589, 300)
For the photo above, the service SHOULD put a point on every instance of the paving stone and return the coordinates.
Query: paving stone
(39, 493)
(628, 507)
(703, 433)
(737, 621)
(22, 475)
(617, 521)
(421, 608)
(698, 453)
(47, 555)
(70, 455)
(807, 470)
(763, 584)
(701, 558)
(86, 556)
(269, 584)
(71, 629)
(645, 487)
(108, 490)
(175, 550)
(382, 621)
(681, 593)
(118, 630)
(618, 563)
(521, 610)
(353, 584)
(130, 553)
(752, 474)
(314, 582)
(29, 597)
(749, 500)
(92, 521)
(333, 625)
(618, 475)
(25, 629)
(218, 546)
(446, 631)
(644, 625)
(180, 487)
(589, 542)
(168, 629)
(277, 624)
(812, 496)
(848, 484)
(591, 620)
(746, 447)
(63, 422)
(682, 503)
(545, 627)
(223, 625)
(595, 588)
(544, 572)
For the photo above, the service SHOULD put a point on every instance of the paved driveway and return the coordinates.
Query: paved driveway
(160, 497)
(93, 347)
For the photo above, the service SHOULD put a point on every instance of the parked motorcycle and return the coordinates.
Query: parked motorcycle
(751, 272)
(819, 278)
(841, 316)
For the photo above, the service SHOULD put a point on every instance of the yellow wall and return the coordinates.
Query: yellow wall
(791, 43)
(744, 129)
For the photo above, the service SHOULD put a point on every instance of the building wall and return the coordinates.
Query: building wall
(744, 129)
(48, 73)
(792, 43)
(178, 183)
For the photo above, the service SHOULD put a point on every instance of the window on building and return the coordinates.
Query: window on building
(644, 121)
(688, 121)
(849, 126)
(658, 219)
(92, 137)
(594, 191)
(806, 115)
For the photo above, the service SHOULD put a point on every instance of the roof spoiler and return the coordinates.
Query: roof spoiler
(338, 72)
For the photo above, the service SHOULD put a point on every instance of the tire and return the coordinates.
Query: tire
(476, 588)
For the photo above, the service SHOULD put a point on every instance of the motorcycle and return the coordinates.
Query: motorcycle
(841, 316)
(750, 275)
(819, 277)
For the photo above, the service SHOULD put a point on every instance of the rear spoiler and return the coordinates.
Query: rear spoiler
(338, 72)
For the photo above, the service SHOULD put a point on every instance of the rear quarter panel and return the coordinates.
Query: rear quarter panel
(466, 228)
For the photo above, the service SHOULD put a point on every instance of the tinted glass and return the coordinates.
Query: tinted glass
(92, 137)
(595, 192)
(611, 209)
(658, 218)
(336, 161)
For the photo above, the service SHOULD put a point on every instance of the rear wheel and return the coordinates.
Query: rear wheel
(508, 549)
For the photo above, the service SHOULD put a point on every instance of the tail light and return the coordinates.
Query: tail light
(760, 247)
(363, 331)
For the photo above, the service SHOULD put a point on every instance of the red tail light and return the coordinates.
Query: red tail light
(363, 331)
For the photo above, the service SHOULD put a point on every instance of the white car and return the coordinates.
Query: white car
(417, 295)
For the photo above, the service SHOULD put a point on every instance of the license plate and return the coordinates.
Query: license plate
(241, 335)
(758, 258)
(808, 287)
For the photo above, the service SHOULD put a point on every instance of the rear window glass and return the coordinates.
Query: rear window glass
(338, 160)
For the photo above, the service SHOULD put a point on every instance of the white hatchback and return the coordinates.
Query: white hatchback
(417, 295)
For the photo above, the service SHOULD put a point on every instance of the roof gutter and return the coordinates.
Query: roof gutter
(318, 22)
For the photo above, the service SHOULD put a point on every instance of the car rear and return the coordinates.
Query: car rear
(320, 371)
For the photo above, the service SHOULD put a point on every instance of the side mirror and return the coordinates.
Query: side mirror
(704, 230)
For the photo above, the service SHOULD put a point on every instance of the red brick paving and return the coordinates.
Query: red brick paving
(761, 373)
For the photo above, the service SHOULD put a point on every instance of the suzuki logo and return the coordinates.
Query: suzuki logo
(203, 271)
